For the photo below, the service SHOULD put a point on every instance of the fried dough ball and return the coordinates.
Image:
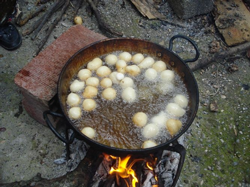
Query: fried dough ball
(106, 82)
(90, 92)
(133, 70)
(137, 58)
(160, 119)
(127, 82)
(159, 66)
(129, 95)
(113, 77)
(83, 74)
(140, 119)
(76, 86)
(175, 110)
(89, 132)
(75, 113)
(119, 76)
(92, 81)
(181, 100)
(109, 94)
(103, 71)
(167, 75)
(151, 130)
(94, 64)
(126, 56)
(121, 66)
(89, 104)
(150, 74)
(173, 126)
(111, 59)
(148, 144)
(165, 88)
(73, 99)
(146, 63)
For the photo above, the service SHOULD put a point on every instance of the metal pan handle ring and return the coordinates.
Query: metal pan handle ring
(197, 53)
(52, 128)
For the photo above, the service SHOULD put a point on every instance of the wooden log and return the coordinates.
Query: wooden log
(203, 62)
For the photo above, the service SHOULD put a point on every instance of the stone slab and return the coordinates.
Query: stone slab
(189, 8)
(232, 18)
(38, 79)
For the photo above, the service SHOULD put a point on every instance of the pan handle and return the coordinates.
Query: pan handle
(197, 53)
(182, 152)
(52, 128)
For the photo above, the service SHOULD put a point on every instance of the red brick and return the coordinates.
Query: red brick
(38, 79)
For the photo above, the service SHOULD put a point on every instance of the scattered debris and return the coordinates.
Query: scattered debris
(213, 107)
(232, 68)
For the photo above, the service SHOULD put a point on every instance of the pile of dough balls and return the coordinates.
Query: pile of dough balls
(101, 76)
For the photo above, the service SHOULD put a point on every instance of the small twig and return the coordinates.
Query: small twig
(218, 56)
(77, 7)
(51, 27)
(41, 2)
(102, 25)
(46, 16)
(32, 14)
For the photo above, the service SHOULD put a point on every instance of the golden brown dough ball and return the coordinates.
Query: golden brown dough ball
(83, 74)
(151, 130)
(146, 63)
(89, 132)
(76, 86)
(148, 144)
(94, 64)
(133, 70)
(103, 71)
(106, 82)
(140, 119)
(73, 99)
(159, 66)
(90, 92)
(175, 110)
(111, 59)
(92, 81)
(89, 104)
(129, 95)
(109, 94)
(173, 126)
(137, 58)
(75, 113)
(181, 100)
(126, 56)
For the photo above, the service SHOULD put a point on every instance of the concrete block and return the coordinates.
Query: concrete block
(189, 8)
(38, 79)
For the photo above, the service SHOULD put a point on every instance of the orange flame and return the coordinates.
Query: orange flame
(125, 171)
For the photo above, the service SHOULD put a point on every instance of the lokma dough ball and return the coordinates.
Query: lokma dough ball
(106, 82)
(173, 126)
(167, 75)
(121, 66)
(175, 110)
(90, 92)
(94, 64)
(140, 119)
(89, 132)
(73, 99)
(126, 56)
(109, 94)
(83, 74)
(150, 74)
(133, 70)
(148, 144)
(89, 104)
(127, 82)
(150, 130)
(165, 88)
(113, 77)
(137, 58)
(159, 66)
(103, 71)
(160, 119)
(119, 76)
(92, 81)
(111, 59)
(75, 113)
(181, 100)
(146, 63)
(76, 86)
(129, 95)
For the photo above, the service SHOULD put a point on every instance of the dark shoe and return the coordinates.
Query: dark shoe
(10, 38)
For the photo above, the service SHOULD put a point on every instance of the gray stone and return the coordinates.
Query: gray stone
(189, 8)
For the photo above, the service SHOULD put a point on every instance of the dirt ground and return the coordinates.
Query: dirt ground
(217, 142)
